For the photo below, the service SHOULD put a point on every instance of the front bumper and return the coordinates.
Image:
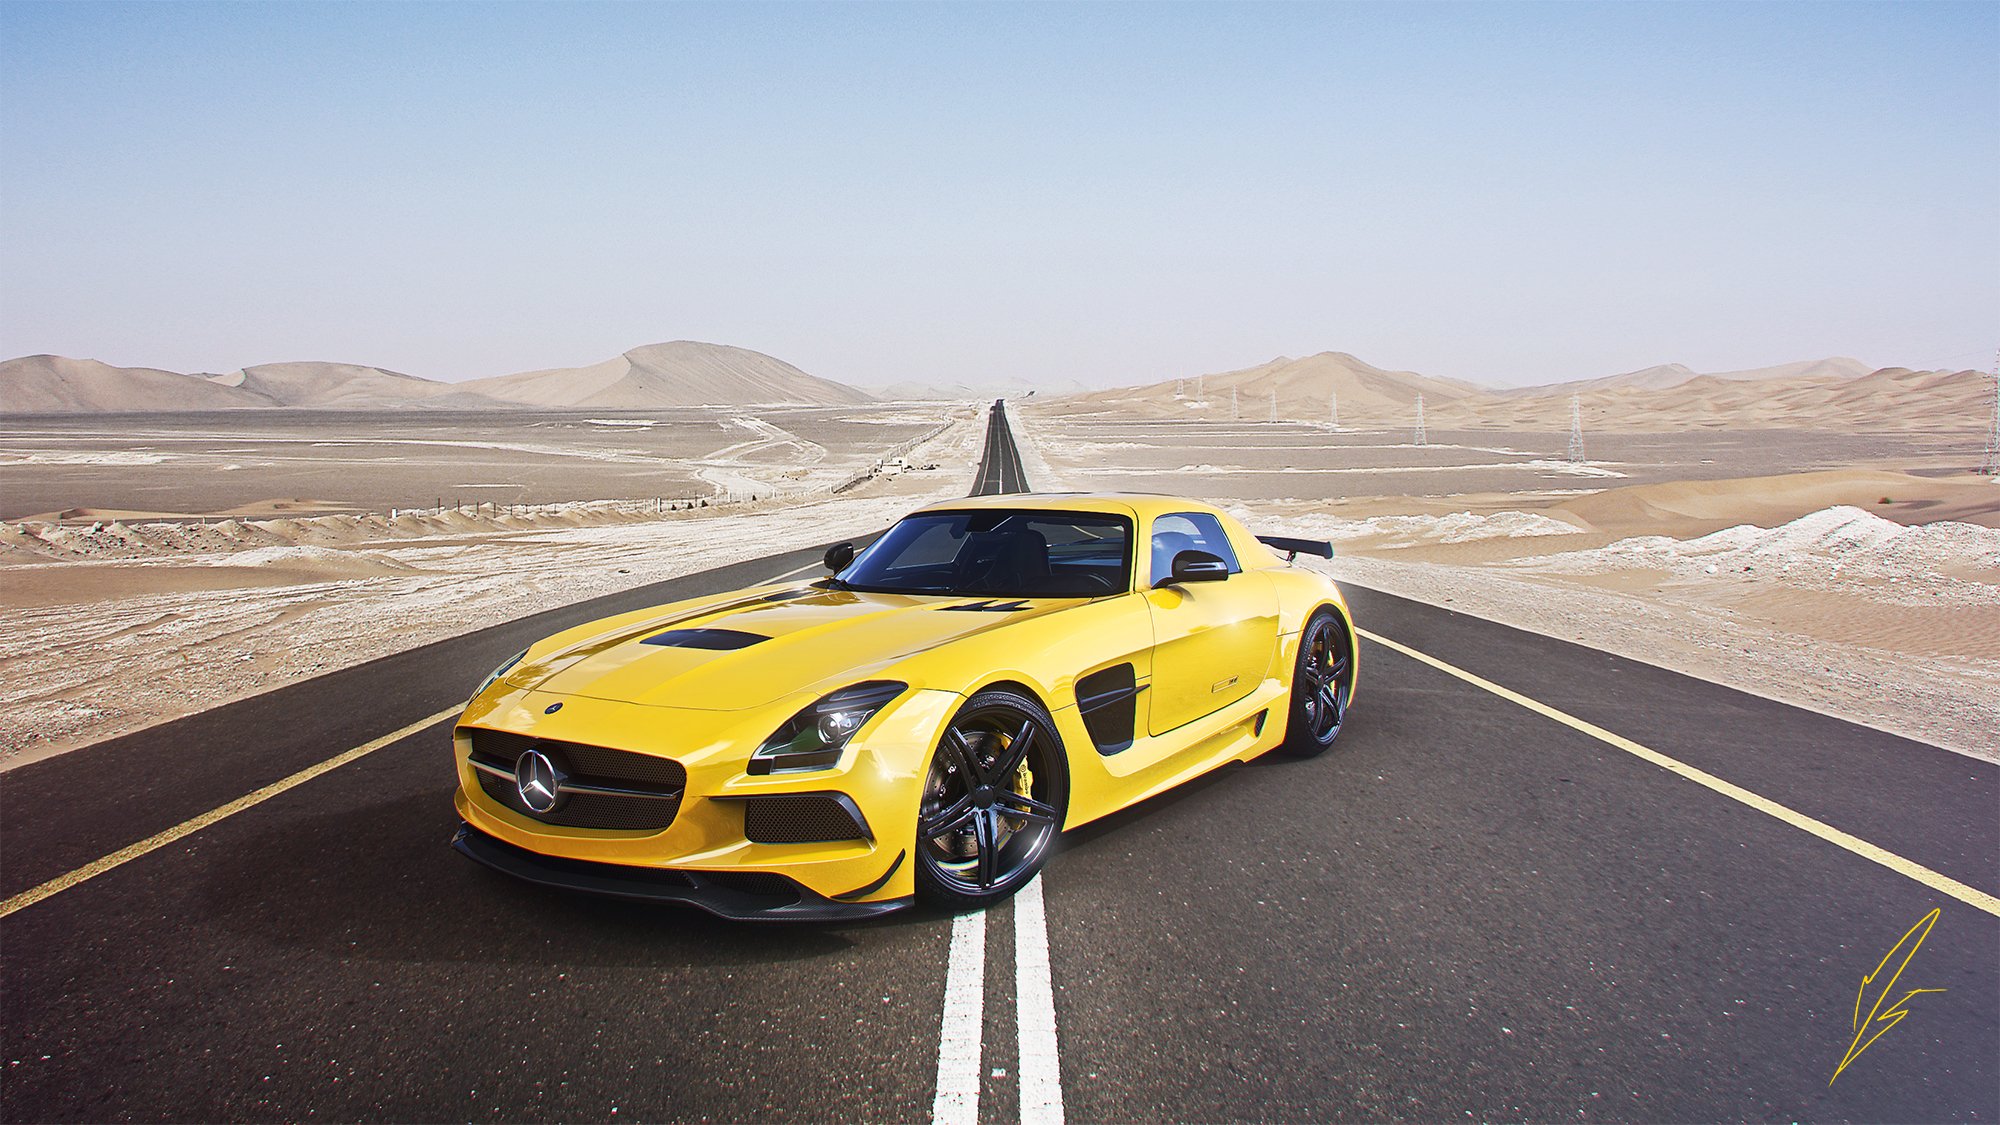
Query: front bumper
(742, 898)
(714, 840)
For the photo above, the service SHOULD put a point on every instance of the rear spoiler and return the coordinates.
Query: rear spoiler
(1293, 547)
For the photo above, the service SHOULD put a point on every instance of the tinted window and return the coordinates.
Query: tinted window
(999, 553)
(1188, 531)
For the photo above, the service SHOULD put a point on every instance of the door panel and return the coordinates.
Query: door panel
(1212, 643)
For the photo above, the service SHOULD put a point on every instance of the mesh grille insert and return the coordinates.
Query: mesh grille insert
(802, 818)
(586, 764)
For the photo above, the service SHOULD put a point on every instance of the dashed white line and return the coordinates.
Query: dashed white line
(957, 1100)
(1035, 1011)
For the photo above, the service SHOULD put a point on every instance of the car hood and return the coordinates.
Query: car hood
(791, 640)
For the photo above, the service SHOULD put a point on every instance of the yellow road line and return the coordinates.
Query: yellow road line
(1944, 884)
(127, 854)
(776, 578)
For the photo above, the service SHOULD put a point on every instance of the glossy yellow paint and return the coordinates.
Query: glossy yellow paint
(710, 710)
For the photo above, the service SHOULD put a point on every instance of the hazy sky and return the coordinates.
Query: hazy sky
(1108, 193)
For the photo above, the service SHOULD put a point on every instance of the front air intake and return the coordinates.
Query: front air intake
(803, 818)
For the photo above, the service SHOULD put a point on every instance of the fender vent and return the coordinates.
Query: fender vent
(718, 639)
(988, 606)
(1108, 701)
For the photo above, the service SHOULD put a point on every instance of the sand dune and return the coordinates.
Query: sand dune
(346, 386)
(53, 384)
(1669, 375)
(681, 373)
(657, 376)
(1302, 388)
(1826, 394)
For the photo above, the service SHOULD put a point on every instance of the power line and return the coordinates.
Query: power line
(1990, 466)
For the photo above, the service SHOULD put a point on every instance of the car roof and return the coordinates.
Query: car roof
(1145, 505)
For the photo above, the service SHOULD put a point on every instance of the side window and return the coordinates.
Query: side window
(1189, 531)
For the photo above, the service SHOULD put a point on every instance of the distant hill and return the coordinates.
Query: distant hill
(1668, 375)
(1822, 394)
(53, 384)
(1303, 388)
(346, 386)
(972, 391)
(682, 373)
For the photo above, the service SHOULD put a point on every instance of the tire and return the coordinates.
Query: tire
(993, 802)
(1322, 685)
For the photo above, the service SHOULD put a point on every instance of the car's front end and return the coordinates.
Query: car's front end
(766, 769)
(660, 802)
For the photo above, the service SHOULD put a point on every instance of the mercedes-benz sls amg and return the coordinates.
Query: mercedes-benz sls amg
(921, 724)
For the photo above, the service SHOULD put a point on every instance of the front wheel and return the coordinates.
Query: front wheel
(993, 802)
(1322, 685)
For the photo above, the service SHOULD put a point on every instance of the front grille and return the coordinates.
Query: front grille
(803, 818)
(588, 765)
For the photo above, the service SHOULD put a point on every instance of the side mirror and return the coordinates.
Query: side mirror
(838, 556)
(1196, 566)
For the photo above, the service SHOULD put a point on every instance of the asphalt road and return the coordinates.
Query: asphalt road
(1465, 911)
(1000, 462)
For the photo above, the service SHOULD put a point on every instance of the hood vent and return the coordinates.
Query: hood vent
(721, 640)
(988, 606)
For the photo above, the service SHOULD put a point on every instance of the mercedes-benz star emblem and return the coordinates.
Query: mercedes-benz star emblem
(538, 781)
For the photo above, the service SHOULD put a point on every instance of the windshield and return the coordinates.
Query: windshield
(996, 553)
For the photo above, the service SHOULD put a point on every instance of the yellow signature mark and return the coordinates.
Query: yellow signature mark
(1895, 1012)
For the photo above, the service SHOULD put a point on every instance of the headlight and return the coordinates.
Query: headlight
(498, 672)
(814, 738)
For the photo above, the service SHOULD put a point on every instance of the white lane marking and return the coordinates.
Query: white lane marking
(957, 1101)
(1035, 1011)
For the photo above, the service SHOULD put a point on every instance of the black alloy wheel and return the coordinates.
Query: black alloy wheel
(993, 802)
(1322, 684)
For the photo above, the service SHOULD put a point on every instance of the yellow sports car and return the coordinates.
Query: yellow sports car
(920, 725)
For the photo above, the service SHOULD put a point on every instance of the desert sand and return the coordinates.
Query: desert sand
(113, 627)
(174, 562)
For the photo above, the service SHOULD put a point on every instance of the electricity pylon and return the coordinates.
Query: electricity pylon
(1233, 415)
(1420, 439)
(1576, 429)
(1201, 389)
(1274, 405)
(1333, 407)
(1990, 467)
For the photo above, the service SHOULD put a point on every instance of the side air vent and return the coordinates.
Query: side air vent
(1108, 701)
(719, 639)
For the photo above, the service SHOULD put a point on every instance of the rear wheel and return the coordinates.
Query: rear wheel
(1322, 684)
(993, 802)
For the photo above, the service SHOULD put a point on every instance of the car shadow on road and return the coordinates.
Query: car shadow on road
(383, 882)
